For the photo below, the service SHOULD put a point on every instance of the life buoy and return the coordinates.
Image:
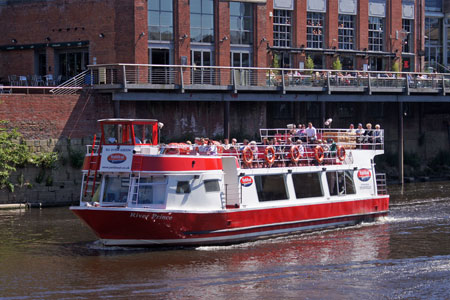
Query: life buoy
(341, 153)
(270, 158)
(247, 155)
(295, 154)
(319, 153)
(173, 149)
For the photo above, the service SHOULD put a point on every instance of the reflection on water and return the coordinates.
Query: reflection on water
(50, 254)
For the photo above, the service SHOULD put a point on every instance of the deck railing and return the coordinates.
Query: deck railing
(381, 184)
(135, 76)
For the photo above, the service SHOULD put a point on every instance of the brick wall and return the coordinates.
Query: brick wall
(121, 23)
(53, 116)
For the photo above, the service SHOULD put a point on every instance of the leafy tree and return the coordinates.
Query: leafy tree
(309, 64)
(13, 153)
(396, 67)
(337, 64)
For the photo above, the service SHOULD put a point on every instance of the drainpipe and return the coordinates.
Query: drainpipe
(400, 143)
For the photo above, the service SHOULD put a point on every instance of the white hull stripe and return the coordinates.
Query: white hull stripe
(282, 223)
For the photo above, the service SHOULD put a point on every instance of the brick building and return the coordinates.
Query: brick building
(61, 37)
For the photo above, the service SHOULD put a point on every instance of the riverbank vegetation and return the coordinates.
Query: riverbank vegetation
(14, 153)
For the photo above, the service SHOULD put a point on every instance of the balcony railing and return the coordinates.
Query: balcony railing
(172, 77)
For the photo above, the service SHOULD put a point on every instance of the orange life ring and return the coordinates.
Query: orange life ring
(172, 148)
(247, 155)
(270, 159)
(319, 153)
(295, 154)
(341, 153)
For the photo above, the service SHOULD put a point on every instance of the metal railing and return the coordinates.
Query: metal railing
(74, 84)
(138, 76)
(381, 184)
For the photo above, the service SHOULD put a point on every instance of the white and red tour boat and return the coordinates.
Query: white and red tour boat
(138, 192)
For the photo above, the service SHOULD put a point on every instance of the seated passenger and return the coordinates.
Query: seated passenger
(112, 140)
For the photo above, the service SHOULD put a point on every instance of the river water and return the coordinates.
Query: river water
(50, 254)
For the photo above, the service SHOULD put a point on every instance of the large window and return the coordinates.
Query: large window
(376, 33)
(160, 20)
(433, 42)
(307, 185)
(407, 35)
(271, 187)
(116, 189)
(315, 30)
(282, 32)
(346, 32)
(433, 5)
(241, 23)
(152, 190)
(72, 62)
(202, 21)
(340, 183)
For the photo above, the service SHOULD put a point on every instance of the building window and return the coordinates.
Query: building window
(71, 62)
(340, 183)
(433, 42)
(407, 38)
(433, 5)
(202, 21)
(376, 33)
(282, 28)
(160, 20)
(271, 187)
(314, 30)
(241, 23)
(346, 32)
(307, 185)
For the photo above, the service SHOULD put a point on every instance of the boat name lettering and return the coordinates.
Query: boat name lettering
(246, 181)
(161, 217)
(140, 216)
(364, 175)
(116, 158)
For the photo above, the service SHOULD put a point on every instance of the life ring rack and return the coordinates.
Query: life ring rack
(341, 153)
(269, 155)
(247, 155)
(319, 153)
(295, 154)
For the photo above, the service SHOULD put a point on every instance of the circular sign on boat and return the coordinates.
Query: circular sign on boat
(116, 158)
(364, 175)
(246, 181)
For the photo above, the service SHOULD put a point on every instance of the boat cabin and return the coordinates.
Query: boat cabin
(129, 132)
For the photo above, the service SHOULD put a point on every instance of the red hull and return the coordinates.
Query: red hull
(134, 226)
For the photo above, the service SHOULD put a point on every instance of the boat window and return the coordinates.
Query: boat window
(152, 190)
(307, 185)
(271, 187)
(212, 185)
(340, 183)
(116, 189)
(117, 134)
(143, 133)
(183, 187)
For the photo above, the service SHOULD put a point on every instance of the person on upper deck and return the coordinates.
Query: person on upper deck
(351, 130)
(368, 134)
(359, 132)
(377, 135)
(311, 133)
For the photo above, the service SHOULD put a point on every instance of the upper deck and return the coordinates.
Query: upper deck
(278, 147)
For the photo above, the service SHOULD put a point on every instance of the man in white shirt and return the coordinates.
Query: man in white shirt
(311, 133)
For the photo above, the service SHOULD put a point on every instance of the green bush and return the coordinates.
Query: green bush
(337, 64)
